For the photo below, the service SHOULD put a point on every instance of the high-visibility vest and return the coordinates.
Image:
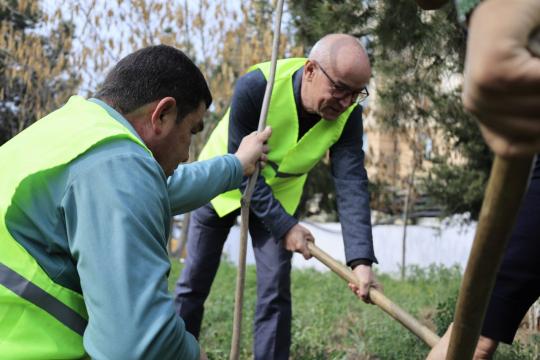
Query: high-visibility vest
(40, 319)
(290, 159)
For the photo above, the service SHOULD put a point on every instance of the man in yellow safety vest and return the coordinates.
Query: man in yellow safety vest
(314, 109)
(86, 198)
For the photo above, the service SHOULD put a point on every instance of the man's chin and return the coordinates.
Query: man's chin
(170, 171)
(330, 115)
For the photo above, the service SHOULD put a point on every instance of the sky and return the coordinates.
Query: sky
(117, 29)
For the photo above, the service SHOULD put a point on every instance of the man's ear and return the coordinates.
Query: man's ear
(164, 111)
(309, 70)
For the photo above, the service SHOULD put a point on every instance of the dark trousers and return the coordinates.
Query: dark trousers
(206, 235)
(518, 281)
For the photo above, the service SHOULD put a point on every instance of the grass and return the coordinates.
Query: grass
(330, 323)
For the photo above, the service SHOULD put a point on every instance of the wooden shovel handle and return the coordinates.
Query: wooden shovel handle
(377, 297)
(504, 192)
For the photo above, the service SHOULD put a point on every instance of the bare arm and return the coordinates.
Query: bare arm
(502, 77)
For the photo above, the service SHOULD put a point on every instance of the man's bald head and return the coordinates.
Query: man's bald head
(335, 74)
(344, 56)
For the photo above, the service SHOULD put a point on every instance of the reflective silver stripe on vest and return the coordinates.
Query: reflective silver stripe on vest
(37, 296)
(280, 174)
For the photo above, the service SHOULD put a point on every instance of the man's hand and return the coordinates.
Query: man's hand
(438, 352)
(502, 77)
(296, 240)
(366, 280)
(253, 149)
(485, 348)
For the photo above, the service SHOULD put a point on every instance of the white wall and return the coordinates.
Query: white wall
(445, 245)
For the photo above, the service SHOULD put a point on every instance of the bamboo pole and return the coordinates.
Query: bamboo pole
(246, 197)
(504, 192)
(184, 234)
(378, 298)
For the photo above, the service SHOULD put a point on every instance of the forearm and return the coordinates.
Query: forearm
(193, 185)
(351, 183)
(502, 76)
(354, 215)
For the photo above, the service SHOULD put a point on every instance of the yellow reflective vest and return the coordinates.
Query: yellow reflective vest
(290, 158)
(40, 319)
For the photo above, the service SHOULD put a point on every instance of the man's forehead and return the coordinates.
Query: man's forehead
(352, 87)
(350, 71)
(347, 81)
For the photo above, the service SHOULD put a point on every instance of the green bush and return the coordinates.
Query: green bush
(445, 313)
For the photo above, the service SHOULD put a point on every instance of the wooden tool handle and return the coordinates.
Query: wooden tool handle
(505, 189)
(377, 297)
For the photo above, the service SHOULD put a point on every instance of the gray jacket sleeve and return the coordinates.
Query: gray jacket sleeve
(350, 178)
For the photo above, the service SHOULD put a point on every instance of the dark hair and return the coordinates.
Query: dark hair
(151, 74)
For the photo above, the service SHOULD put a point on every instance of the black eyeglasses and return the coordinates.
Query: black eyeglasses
(340, 92)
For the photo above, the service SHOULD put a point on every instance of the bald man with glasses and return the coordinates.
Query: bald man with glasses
(314, 109)
(341, 91)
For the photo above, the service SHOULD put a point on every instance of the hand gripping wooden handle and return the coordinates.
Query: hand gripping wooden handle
(377, 297)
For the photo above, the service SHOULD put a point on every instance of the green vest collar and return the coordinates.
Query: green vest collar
(116, 115)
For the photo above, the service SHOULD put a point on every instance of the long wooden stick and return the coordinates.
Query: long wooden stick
(377, 297)
(246, 197)
(504, 192)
